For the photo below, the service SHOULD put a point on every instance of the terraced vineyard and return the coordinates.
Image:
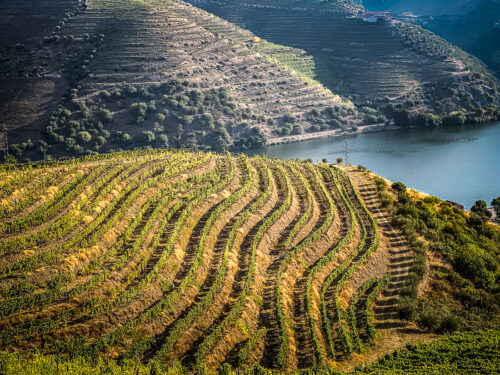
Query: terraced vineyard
(197, 257)
(374, 64)
(98, 62)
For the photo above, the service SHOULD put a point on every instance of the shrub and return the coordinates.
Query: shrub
(105, 94)
(105, 115)
(455, 119)
(449, 323)
(70, 143)
(481, 209)
(84, 137)
(139, 110)
(407, 309)
(370, 119)
(162, 140)
(399, 187)
(148, 137)
(160, 117)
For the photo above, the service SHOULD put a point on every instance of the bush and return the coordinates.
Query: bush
(399, 187)
(105, 115)
(429, 319)
(481, 209)
(160, 117)
(370, 119)
(84, 137)
(407, 309)
(449, 323)
(455, 119)
(139, 110)
(147, 137)
(162, 140)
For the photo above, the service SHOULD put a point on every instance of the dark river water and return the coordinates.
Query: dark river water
(462, 165)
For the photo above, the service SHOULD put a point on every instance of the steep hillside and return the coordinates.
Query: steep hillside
(470, 24)
(154, 73)
(382, 65)
(200, 260)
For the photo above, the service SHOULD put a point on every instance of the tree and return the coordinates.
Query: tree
(219, 144)
(139, 109)
(340, 160)
(481, 209)
(495, 203)
(84, 137)
(399, 187)
(105, 115)
(162, 140)
(147, 137)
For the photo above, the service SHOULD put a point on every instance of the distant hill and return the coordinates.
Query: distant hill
(473, 25)
(377, 65)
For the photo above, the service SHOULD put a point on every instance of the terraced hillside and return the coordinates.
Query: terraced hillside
(164, 74)
(199, 257)
(375, 64)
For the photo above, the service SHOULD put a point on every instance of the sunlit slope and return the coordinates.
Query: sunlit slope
(204, 258)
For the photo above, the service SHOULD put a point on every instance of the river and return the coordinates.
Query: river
(461, 165)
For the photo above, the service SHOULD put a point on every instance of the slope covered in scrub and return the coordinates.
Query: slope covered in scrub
(205, 260)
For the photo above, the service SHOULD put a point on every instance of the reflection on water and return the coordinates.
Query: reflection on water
(462, 164)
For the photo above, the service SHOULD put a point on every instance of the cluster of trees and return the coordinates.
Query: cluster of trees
(480, 208)
(329, 118)
(406, 118)
(288, 126)
(166, 115)
(464, 296)
(372, 116)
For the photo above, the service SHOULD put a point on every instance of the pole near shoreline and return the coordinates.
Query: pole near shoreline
(5, 142)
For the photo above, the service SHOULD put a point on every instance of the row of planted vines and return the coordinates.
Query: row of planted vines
(196, 259)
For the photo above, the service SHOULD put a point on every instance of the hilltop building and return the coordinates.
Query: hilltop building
(376, 16)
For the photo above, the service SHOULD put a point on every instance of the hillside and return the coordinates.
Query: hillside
(470, 24)
(200, 260)
(405, 72)
(120, 74)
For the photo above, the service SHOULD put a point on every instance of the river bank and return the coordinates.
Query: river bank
(330, 134)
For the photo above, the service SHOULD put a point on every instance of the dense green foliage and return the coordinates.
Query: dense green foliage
(465, 276)
(172, 114)
(464, 353)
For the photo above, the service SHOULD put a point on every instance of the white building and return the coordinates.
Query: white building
(376, 16)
